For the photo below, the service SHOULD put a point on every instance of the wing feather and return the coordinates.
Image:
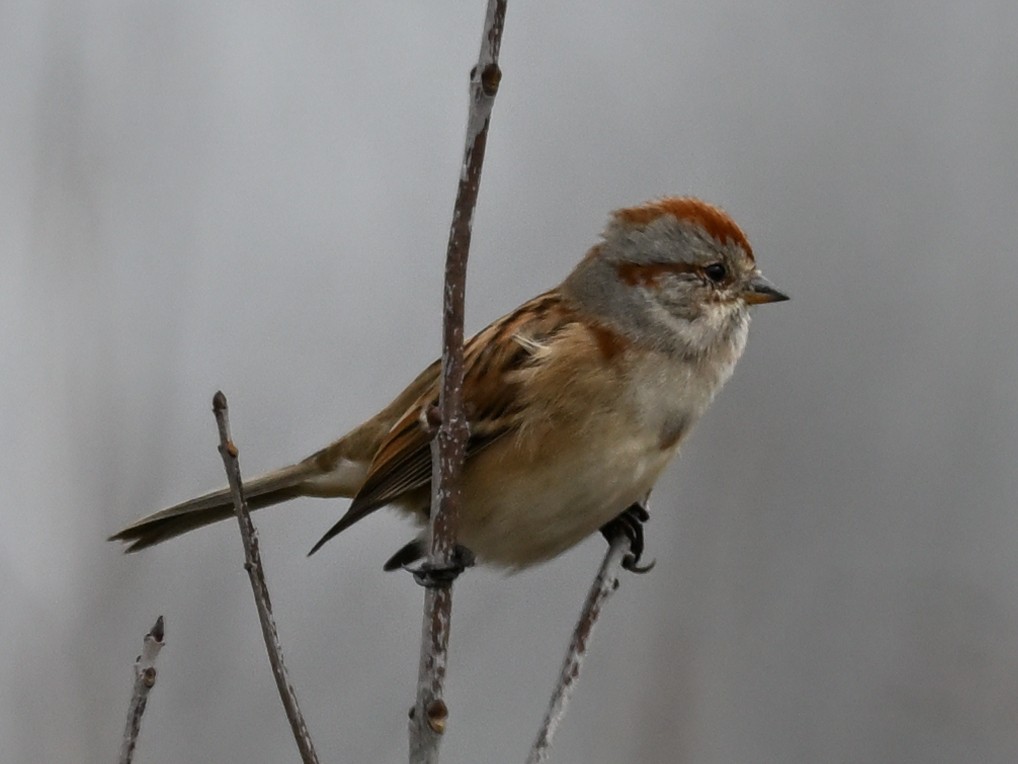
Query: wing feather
(492, 400)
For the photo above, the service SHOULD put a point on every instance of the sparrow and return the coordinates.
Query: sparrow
(576, 400)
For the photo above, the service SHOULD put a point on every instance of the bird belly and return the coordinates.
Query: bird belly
(580, 457)
(522, 508)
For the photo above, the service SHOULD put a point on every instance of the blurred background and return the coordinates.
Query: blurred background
(256, 197)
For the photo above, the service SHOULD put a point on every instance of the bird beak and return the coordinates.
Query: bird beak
(760, 290)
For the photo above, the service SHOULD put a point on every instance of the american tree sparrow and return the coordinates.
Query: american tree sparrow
(576, 400)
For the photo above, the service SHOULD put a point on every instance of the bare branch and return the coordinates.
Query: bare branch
(605, 583)
(429, 716)
(144, 681)
(253, 566)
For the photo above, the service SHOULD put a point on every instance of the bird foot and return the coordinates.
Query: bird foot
(433, 575)
(630, 523)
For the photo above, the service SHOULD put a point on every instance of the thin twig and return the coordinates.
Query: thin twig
(605, 583)
(429, 716)
(253, 566)
(144, 681)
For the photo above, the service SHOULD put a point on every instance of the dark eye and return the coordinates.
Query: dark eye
(716, 272)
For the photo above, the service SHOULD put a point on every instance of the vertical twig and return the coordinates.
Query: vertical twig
(253, 566)
(144, 681)
(449, 446)
(605, 583)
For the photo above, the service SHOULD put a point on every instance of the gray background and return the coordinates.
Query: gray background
(255, 197)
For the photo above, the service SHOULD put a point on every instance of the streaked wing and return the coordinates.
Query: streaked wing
(492, 400)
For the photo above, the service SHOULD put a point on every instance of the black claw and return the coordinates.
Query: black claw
(629, 562)
(433, 576)
(630, 522)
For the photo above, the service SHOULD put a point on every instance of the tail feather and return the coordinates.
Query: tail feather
(263, 491)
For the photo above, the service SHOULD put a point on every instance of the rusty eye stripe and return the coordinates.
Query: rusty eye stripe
(649, 274)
